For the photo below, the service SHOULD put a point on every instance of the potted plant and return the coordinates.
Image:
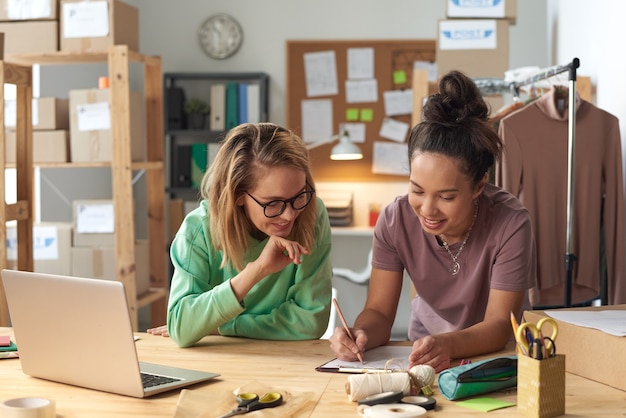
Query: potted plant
(196, 110)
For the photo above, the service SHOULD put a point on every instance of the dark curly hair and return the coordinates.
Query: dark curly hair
(455, 124)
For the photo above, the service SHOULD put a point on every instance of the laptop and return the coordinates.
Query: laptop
(78, 331)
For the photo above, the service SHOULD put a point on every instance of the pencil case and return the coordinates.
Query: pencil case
(480, 377)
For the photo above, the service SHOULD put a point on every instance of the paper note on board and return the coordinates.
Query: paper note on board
(361, 91)
(394, 130)
(317, 120)
(390, 158)
(320, 73)
(360, 63)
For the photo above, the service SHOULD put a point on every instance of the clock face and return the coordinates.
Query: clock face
(220, 36)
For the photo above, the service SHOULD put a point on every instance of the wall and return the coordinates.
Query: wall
(593, 35)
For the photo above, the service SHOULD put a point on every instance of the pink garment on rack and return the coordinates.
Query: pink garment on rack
(534, 168)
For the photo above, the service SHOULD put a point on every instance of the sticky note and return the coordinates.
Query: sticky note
(485, 404)
(352, 114)
(5, 340)
(399, 77)
(367, 115)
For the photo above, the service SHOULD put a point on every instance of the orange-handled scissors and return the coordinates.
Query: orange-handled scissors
(529, 334)
(248, 402)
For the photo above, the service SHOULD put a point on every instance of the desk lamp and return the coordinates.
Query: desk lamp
(344, 150)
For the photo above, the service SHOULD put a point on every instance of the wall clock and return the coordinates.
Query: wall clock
(220, 36)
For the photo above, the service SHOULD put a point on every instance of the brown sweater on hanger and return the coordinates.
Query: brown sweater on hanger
(534, 168)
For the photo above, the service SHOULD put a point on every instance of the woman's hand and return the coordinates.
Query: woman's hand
(431, 351)
(343, 346)
(278, 253)
(162, 330)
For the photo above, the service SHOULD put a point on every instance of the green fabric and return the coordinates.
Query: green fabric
(293, 304)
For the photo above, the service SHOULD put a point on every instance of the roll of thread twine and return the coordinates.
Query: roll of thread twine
(361, 385)
(417, 379)
(393, 410)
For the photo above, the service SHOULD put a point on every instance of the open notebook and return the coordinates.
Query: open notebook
(78, 331)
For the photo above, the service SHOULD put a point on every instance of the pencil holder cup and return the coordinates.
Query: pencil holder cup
(541, 386)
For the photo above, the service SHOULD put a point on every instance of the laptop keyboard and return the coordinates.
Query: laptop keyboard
(151, 380)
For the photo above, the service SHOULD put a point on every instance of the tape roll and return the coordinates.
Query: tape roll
(384, 397)
(394, 410)
(28, 408)
(427, 403)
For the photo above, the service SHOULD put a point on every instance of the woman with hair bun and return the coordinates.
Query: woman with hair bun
(467, 245)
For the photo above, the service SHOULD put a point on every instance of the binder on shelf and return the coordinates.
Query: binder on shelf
(199, 156)
(218, 104)
(254, 103)
(232, 105)
(243, 103)
(181, 167)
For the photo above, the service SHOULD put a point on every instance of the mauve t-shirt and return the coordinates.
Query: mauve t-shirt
(499, 254)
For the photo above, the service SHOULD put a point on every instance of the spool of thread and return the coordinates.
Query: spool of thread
(394, 410)
(28, 408)
(424, 374)
(359, 386)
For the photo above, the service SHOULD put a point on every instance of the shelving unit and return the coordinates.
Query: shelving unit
(22, 210)
(179, 139)
(122, 167)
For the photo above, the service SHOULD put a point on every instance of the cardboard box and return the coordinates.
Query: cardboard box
(477, 47)
(590, 353)
(90, 125)
(494, 9)
(30, 36)
(52, 248)
(51, 113)
(48, 146)
(99, 263)
(31, 10)
(48, 113)
(96, 26)
(94, 223)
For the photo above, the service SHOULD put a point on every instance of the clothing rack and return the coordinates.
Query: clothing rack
(571, 67)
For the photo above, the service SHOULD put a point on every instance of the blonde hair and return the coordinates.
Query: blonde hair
(245, 152)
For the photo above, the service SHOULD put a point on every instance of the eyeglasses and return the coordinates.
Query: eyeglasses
(276, 208)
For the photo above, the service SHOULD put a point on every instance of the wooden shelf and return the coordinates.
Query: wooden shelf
(118, 59)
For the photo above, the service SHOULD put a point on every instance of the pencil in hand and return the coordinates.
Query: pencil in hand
(345, 326)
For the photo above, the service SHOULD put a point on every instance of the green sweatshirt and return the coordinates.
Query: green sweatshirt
(293, 304)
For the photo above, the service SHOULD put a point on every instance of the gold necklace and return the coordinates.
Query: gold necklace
(455, 266)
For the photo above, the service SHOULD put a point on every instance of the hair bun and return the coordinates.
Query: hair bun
(458, 101)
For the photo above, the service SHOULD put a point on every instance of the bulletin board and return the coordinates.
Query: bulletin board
(393, 67)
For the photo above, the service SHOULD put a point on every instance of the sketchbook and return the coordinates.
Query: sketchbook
(373, 360)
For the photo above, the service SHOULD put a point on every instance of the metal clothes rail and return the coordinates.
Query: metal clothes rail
(571, 67)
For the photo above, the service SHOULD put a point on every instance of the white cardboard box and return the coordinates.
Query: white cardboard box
(52, 245)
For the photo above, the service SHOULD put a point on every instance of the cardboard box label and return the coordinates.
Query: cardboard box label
(95, 218)
(94, 116)
(26, 10)
(476, 8)
(85, 19)
(45, 243)
(467, 34)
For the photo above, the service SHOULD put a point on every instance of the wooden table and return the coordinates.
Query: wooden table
(290, 365)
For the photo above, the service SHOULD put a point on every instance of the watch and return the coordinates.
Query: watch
(220, 36)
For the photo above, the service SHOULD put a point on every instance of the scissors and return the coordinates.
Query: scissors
(248, 402)
(531, 338)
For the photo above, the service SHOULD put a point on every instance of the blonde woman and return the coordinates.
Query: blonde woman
(253, 260)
